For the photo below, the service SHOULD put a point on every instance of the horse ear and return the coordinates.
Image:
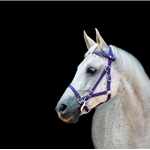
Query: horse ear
(88, 41)
(100, 41)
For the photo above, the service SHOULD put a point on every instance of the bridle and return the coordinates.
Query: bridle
(83, 99)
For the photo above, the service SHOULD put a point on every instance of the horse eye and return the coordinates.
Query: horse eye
(91, 70)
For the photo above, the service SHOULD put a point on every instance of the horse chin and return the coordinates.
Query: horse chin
(73, 119)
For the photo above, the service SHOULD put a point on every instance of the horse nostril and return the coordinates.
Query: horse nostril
(62, 108)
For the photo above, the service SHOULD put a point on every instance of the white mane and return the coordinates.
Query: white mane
(136, 110)
(136, 71)
(137, 74)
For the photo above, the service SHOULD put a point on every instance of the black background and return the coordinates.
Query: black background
(43, 44)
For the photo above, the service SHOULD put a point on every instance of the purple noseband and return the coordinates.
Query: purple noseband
(83, 99)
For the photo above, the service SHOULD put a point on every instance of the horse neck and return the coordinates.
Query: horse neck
(134, 91)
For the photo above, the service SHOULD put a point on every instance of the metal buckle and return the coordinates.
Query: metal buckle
(106, 67)
(82, 107)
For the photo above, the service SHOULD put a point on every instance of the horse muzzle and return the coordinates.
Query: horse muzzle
(68, 110)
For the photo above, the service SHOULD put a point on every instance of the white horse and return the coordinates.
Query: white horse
(114, 82)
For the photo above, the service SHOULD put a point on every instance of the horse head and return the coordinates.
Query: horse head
(92, 82)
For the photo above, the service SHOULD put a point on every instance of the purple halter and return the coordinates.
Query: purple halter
(83, 99)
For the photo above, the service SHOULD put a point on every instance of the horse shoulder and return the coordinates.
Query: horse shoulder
(111, 127)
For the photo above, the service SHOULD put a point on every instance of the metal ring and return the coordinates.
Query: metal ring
(109, 92)
(79, 100)
(82, 107)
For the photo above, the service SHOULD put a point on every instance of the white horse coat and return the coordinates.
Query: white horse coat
(124, 120)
